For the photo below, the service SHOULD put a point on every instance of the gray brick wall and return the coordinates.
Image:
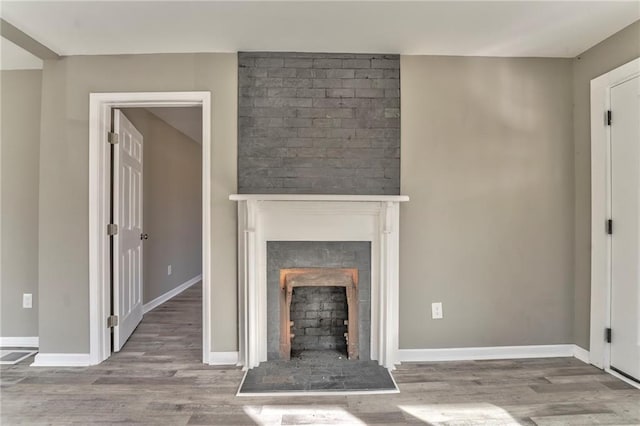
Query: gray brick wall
(318, 123)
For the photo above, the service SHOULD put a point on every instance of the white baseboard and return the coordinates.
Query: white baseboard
(493, 352)
(223, 358)
(20, 342)
(170, 294)
(62, 360)
(581, 354)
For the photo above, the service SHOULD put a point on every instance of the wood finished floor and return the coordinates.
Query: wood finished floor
(158, 379)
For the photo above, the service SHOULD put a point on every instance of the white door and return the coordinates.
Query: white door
(625, 241)
(127, 211)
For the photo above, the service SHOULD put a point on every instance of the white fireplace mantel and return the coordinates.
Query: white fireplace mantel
(311, 217)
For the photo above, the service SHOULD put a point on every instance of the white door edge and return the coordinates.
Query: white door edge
(601, 209)
(100, 105)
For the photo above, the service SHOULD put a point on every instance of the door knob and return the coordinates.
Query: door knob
(144, 236)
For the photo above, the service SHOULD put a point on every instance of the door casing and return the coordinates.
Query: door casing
(599, 350)
(100, 106)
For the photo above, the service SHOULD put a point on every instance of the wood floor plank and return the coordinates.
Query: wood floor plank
(158, 378)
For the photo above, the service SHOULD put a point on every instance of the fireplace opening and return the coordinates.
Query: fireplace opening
(319, 322)
(318, 312)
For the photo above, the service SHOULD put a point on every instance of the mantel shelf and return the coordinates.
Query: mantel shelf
(319, 197)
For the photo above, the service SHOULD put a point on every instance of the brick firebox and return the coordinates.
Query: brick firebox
(318, 277)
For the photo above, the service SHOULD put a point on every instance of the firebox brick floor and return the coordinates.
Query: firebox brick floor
(317, 371)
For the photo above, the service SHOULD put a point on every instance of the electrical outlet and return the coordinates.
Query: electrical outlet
(169, 270)
(27, 300)
(436, 310)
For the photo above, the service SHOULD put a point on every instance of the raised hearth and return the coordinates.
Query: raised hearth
(271, 217)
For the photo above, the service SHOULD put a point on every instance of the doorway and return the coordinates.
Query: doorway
(615, 296)
(157, 204)
(102, 106)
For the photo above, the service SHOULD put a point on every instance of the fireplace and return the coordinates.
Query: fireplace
(298, 278)
(267, 219)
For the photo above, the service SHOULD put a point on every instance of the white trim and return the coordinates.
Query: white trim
(223, 358)
(581, 354)
(306, 218)
(317, 197)
(100, 105)
(319, 393)
(170, 294)
(601, 209)
(489, 352)
(623, 378)
(20, 342)
(62, 360)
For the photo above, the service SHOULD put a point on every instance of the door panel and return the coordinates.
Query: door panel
(127, 286)
(625, 241)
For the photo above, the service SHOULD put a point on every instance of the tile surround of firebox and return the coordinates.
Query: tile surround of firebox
(302, 217)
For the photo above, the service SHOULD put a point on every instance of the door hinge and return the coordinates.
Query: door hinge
(112, 229)
(607, 335)
(608, 117)
(610, 226)
(112, 321)
(112, 138)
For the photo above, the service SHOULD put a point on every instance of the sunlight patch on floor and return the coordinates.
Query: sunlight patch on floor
(480, 413)
(280, 414)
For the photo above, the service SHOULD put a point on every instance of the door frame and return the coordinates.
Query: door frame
(100, 106)
(599, 352)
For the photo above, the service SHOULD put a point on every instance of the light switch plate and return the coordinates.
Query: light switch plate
(169, 270)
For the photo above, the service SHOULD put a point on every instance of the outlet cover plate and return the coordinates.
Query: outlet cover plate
(436, 310)
(27, 300)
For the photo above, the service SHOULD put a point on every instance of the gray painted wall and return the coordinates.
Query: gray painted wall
(318, 123)
(618, 49)
(487, 159)
(20, 132)
(64, 180)
(172, 188)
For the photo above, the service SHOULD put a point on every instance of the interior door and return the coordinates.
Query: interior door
(625, 241)
(127, 210)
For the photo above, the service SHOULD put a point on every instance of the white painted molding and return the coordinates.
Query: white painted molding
(100, 106)
(601, 209)
(223, 358)
(581, 354)
(490, 352)
(20, 342)
(62, 360)
(318, 197)
(263, 218)
(170, 294)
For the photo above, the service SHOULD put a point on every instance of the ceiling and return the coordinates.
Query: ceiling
(469, 28)
(188, 121)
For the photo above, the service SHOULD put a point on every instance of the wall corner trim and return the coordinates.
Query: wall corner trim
(223, 358)
(62, 360)
(20, 342)
(492, 352)
(582, 354)
(170, 294)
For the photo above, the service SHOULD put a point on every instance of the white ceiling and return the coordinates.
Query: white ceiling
(13, 57)
(185, 120)
(471, 28)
